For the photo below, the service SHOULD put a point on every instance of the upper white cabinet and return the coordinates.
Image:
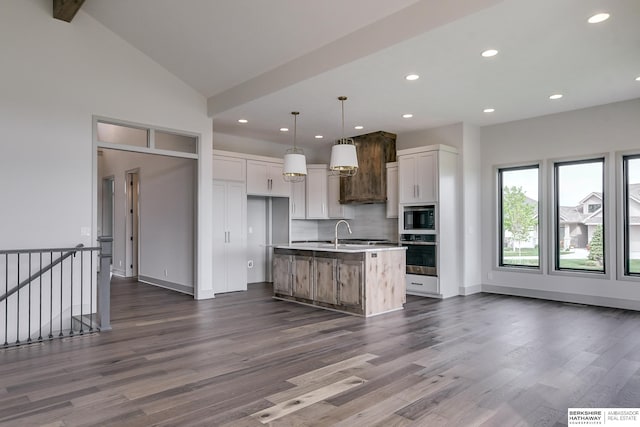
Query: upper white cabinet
(317, 197)
(265, 179)
(229, 168)
(336, 209)
(298, 200)
(392, 190)
(417, 176)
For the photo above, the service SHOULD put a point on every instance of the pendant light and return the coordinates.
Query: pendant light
(295, 164)
(344, 160)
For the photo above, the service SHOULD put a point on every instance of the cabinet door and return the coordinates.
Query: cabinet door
(219, 237)
(277, 185)
(427, 177)
(302, 276)
(350, 282)
(298, 200)
(392, 191)
(317, 193)
(281, 274)
(257, 178)
(325, 283)
(236, 237)
(336, 210)
(229, 168)
(407, 178)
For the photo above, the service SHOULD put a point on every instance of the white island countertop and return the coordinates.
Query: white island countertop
(342, 247)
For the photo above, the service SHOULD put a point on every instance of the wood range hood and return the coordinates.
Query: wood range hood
(369, 185)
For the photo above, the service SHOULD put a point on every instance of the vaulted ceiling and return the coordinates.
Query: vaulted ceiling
(260, 60)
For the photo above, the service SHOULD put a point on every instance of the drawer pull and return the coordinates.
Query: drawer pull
(417, 284)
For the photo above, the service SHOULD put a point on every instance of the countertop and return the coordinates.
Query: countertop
(351, 248)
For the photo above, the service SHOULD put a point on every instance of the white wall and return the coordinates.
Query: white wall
(471, 202)
(55, 76)
(259, 147)
(167, 195)
(594, 131)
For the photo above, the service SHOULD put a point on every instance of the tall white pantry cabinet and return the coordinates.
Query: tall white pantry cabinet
(428, 176)
(229, 224)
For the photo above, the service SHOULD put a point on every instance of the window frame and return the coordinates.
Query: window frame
(623, 205)
(499, 263)
(554, 256)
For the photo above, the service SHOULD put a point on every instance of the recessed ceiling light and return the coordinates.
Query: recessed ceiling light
(556, 96)
(407, 116)
(319, 136)
(489, 110)
(412, 77)
(489, 53)
(284, 129)
(243, 121)
(638, 79)
(598, 17)
(358, 127)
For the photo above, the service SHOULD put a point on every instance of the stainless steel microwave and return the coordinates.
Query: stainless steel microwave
(417, 219)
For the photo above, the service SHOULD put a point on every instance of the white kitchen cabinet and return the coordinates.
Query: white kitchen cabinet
(417, 176)
(298, 200)
(434, 169)
(265, 179)
(229, 236)
(229, 168)
(336, 209)
(317, 197)
(392, 190)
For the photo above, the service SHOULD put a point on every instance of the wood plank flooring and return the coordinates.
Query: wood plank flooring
(244, 359)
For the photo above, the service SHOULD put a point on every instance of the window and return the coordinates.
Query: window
(631, 171)
(121, 134)
(593, 207)
(579, 229)
(518, 216)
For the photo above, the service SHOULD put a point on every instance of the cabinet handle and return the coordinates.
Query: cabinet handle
(418, 190)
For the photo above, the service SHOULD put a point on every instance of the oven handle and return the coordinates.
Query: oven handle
(404, 243)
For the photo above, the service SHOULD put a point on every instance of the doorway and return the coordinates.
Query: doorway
(132, 192)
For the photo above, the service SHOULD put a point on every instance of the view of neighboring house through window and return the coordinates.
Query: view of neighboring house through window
(631, 166)
(579, 226)
(519, 209)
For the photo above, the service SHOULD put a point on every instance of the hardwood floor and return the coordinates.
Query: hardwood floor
(244, 359)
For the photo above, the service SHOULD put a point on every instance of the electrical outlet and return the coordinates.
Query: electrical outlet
(250, 263)
(120, 263)
(166, 273)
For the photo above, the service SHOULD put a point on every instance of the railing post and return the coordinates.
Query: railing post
(104, 283)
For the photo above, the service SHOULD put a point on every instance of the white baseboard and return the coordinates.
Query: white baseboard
(167, 285)
(469, 290)
(563, 297)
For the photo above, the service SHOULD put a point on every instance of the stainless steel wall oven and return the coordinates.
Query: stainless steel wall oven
(422, 252)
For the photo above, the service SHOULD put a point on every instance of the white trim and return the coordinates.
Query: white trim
(563, 297)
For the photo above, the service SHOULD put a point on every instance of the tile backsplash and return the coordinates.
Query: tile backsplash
(369, 222)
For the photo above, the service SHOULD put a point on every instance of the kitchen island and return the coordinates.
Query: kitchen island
(359, 279)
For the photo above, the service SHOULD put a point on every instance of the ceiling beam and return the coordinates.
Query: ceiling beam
(65, 10)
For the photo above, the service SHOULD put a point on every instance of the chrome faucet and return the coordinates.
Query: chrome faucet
(336, 235)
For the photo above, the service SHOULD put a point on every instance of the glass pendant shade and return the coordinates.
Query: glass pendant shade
(344, 158)
(295, 163)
